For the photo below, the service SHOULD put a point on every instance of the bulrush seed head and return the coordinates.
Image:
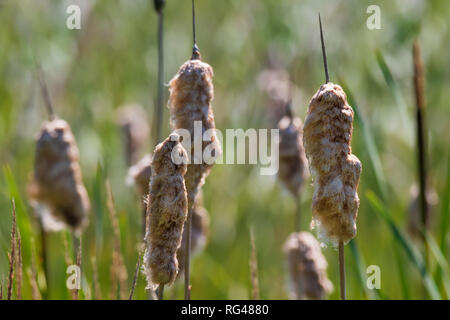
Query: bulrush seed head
(57, 191)
(191, 93)
(335, 170)
(166, 212)
(134, 123)
(307, 267)
(291, 153)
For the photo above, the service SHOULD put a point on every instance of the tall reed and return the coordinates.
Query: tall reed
(191, 93)
(335, 170)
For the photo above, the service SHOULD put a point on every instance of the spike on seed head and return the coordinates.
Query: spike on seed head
(324, 53)
(195, 50)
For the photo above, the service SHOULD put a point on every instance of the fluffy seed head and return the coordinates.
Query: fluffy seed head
(166, 212)
(307, 267)
(57, 191)
(133, 121)
(191, 93)
(291, 153)
(335, 170)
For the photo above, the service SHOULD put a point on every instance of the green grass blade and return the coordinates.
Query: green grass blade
(395, 91)
(443, 269)
(361, 267)
(411, 252)
(445, 212)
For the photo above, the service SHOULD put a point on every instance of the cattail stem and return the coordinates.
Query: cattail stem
(159, 105)
(161, 292)
(12, 254)
(187, 258)
(298, 213)
(77, 253)
(342, 270)
(421, 141)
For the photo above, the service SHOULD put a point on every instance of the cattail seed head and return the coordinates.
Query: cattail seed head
(133, 121)
(191, 93)
(307, 267)
(291, 153)
(166, 212)
(199, 232)
(57, 191)
(335, 170)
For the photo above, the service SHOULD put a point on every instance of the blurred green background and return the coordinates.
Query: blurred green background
(112, 61)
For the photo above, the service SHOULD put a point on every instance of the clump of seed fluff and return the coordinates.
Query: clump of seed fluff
(307, 267)
(291, 153)
(57, 191)
(191, 93)
(133, 121)
(166, 212)
(327, 135)
(199, 232)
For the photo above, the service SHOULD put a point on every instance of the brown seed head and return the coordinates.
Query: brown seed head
(291, 153)
(166, 212)
(335, 170)
(307, 267)
(191, 93)
(57, 191)
(133, 121)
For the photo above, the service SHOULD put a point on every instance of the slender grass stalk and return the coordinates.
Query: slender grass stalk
(95, 280)
(32, 274)
(118, 270)
(19, 267)
(12, 254)
(136, 272)
(161, 291)
(51, 116)
(298, 213)
(188, 225)
(342, 270)
(77, 250)
(254, 267)
(159, 6)
(419, 82)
